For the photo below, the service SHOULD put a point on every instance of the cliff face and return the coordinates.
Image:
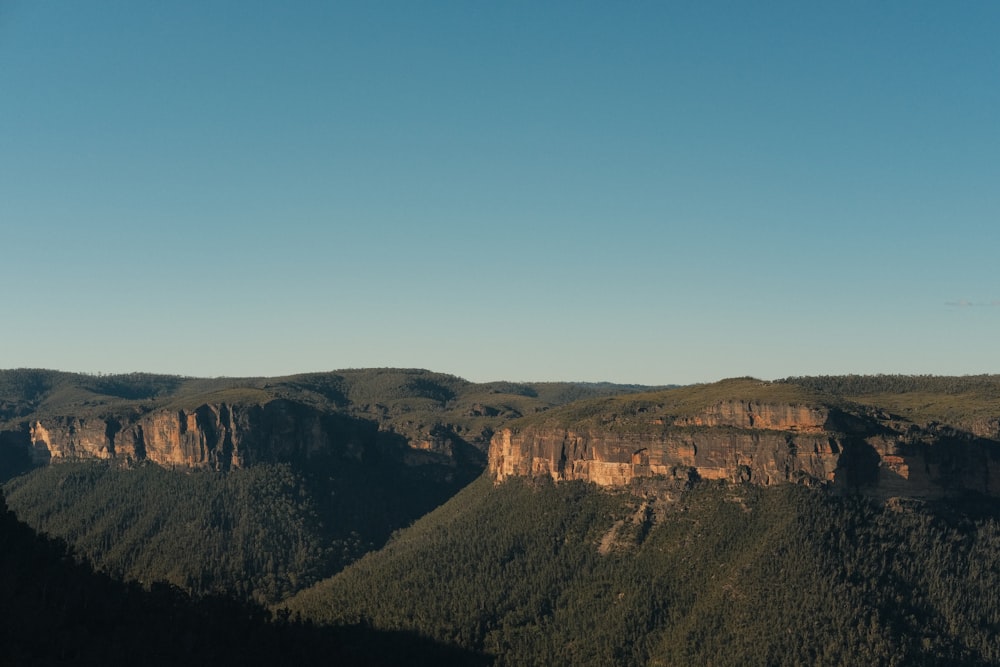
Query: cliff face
(759, 443)
(414, 418)
(223, 436)
(754, 415)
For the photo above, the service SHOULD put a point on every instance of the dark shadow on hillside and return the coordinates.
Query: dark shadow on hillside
(363, 500)
(857, 467)
(15, 454)
(56, 611)
(962, 508)
(962, 460)
(328, 385)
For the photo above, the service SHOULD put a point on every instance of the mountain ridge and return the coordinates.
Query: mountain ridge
(747, 430)
(281, 480)
(413, 416)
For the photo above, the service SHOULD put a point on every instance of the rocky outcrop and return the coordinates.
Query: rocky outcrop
(985, 427)
(614, 459)
(223, 436)
(68, 437)
(758, 443)
(754, 415)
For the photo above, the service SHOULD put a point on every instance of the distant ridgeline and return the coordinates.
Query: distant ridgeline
(435, 424)
(884, 436)
(920, 436)
(298, 475)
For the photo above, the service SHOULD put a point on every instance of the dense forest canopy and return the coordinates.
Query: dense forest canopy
(259, 534)
(659, 572)
(411, 402)
(55, 610)
(951, 399)
(857, 385)
(725, 575)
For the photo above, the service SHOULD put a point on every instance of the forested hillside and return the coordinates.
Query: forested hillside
(652, 569)
(416, 404)
(261, 533)
(968, 401)
(722, 574)
(379, 448)
(55, 610)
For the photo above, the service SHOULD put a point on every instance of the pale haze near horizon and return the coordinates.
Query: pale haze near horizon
(634, 192)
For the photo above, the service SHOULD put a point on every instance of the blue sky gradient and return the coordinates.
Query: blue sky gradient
(650, 192)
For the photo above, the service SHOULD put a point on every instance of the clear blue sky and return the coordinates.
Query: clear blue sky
(650, 192)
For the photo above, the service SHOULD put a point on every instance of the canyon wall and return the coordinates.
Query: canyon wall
(758, 443)
(223, 436)
(739, 441)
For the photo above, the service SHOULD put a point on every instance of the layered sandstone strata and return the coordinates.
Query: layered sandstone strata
(758, 443)
(211, 436)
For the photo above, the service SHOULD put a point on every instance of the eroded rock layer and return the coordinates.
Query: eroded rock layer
(767, 444)
(223, 436)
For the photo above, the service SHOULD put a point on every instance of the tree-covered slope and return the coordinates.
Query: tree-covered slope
(259, 533)
(534, 574)
(342, 460)
(56, 611)
(633, 411)
(723, 575)
(969, 401)
(414, 403)
(961, 401)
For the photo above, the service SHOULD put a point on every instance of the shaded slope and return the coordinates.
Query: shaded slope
(636, 411)
(416, 418)
(411, 402)
(723, 575)
(260, 533)
(56, 611)
(970, 403)
(321, 467)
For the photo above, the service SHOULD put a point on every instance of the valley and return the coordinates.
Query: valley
(538, 523)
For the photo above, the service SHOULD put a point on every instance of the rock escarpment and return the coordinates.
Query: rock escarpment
(428, 423)
(223, 436)
(756, 442)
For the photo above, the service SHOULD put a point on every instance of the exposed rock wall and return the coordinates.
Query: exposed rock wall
(753, 415)
(211, 436)
(614, 459)
(761, 444)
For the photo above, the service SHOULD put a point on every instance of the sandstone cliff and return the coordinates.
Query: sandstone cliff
(885, 435)
(431, 424)
(756, 442)
(223, 436)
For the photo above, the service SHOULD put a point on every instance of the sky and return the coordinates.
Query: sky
(639, 192)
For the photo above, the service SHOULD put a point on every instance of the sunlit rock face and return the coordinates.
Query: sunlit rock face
(753, 415)
(762, 444)
(222, 436)
(68, 437)
(211, 436)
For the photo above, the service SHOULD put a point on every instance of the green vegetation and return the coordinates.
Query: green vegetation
(919, 398)
(531, 573)
(55, 610)
(725, 576)
(638, 410)
(260, 533)
(251, 533)
(959, 401)
(22, 390)
(267, 531)
(410, 402)
(858, 385)
(410, 398)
